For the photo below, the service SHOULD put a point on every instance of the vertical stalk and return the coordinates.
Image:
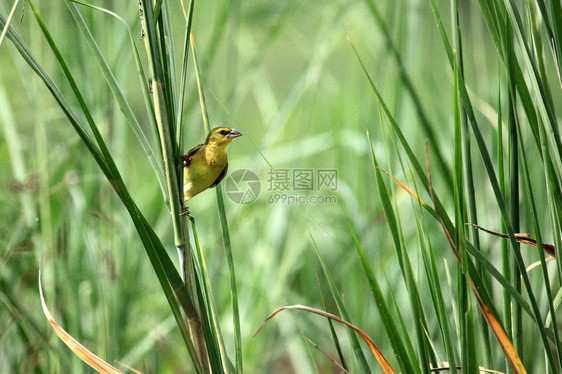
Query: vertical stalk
(514, 194)
(461, 172)
(162, 121)
(506, 268)
(167, 142)
(225, 230)
(469, 207)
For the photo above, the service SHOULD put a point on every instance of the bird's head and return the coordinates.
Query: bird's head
(221, 136)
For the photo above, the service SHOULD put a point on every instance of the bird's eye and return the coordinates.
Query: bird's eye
(223, 132)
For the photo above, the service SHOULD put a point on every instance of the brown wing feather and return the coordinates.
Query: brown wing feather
(187, 157)
(220, 177)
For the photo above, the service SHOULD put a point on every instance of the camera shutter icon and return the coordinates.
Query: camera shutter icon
(243, 186)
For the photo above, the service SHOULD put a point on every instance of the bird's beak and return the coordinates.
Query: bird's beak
(233, 134)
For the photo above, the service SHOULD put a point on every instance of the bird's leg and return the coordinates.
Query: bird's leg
(185, 211)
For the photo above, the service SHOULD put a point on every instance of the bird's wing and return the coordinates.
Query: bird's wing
(189, 155)
(220, 177)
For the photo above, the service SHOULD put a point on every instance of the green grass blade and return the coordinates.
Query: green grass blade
(29, 330)
(466, 178)
(428, 256)
(215, 337)
(116, 89)
(332, 330)
(495, 187)
(225, 230)
(163, 266)
(405, 360)
(168, 56)
(183, 75)
(429, 128)
(163, 109)
(469, 352)
(409, 152)
(405, 266)
(359, 356)
(167, 138)
(59, 98)
(538, 236)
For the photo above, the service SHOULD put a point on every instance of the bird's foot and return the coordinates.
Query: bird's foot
(185, 211)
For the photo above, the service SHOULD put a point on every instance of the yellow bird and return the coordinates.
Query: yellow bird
(205, 165)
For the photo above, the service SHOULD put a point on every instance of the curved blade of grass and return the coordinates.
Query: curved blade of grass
(114, 85)
(404, 262)
(341, 308)
(57, 95)
(31, 334)
(387, 369)
(164, 268)
(404, 360)
(537, 264)
(79, 350)
(224, 226)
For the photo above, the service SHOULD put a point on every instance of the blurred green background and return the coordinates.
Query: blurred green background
(285, 75)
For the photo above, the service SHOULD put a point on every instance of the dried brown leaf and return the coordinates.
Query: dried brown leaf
(387, 369)
(79, 350)
(523, 238)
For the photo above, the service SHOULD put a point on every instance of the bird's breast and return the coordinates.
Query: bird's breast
(215, 156)
(203, 171)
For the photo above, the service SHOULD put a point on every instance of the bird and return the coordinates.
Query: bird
(205, 165)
